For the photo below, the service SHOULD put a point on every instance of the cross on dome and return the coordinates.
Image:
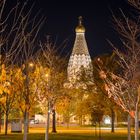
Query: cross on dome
(80, 28)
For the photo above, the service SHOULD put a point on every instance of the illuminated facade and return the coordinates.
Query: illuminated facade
(80, 58)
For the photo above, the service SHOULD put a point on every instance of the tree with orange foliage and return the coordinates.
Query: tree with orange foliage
(8, 90)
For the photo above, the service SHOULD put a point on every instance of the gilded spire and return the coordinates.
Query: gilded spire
(80, 20)
(80, 28)
(80, 57)
(80, 45)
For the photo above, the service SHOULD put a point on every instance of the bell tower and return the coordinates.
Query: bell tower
(80, 58)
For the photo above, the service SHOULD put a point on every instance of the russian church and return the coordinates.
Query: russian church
(80, 59)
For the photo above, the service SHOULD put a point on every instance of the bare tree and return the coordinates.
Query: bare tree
(52, 59)
(18, 34)
(27, 48)
(123, 87)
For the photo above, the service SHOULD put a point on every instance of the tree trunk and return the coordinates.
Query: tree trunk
(112, 120)
(95, 130)
(68, 123)
(53, 121)
(83, 120)
(129, 127)
(136, 124)
(6, 123)
(26, 122)
(80, 120)
(99, 130)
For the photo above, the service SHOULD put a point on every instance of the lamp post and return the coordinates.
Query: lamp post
(48, 112)
(27, 67)
(48, 122)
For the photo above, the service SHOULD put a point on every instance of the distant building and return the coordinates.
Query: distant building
(80, 59)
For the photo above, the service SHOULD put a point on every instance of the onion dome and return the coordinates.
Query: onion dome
(80, 28)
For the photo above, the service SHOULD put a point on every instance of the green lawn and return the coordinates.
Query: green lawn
(65, 136)
(69, 134)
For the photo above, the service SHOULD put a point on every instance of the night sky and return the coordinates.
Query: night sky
(62, 18)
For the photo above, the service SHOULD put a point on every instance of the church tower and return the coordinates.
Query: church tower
(80, 58)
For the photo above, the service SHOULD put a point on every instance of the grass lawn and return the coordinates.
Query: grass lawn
(69, 134)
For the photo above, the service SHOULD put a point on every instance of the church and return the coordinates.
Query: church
(80, 59)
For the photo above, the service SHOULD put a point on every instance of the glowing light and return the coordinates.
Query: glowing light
(107, 120)
(31, 64)
(47, 75)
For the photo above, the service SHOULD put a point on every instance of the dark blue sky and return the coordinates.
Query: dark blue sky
(62, 18)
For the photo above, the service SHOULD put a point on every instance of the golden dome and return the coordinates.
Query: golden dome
(80, 28)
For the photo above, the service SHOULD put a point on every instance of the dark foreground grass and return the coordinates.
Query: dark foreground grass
(66, 136)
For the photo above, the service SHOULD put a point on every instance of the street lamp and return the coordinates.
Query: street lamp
(49, 111)
(48, 122)
(27, 68)
(31, 64)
